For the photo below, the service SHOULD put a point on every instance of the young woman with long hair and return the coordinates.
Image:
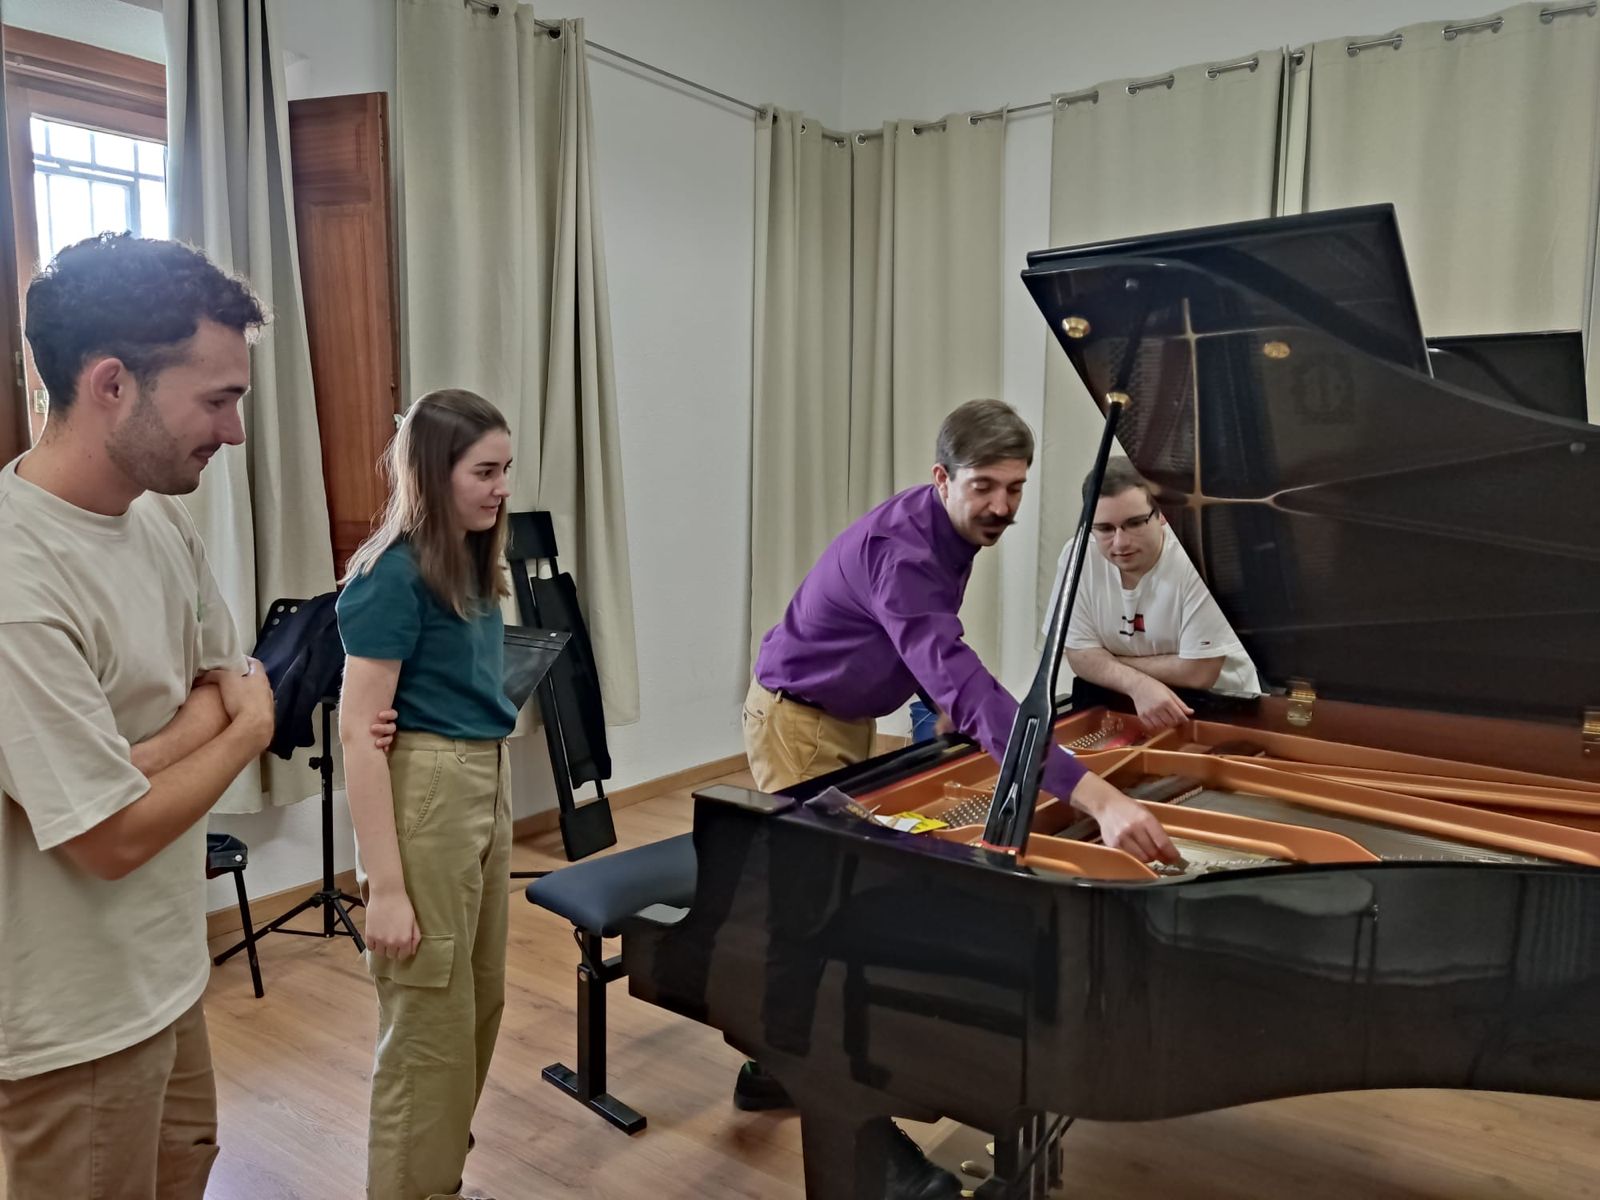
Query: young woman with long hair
(420, 619)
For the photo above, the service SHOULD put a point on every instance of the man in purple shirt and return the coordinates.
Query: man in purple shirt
(873, 623)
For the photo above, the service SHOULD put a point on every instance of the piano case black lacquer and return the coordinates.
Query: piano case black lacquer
(1416, 572)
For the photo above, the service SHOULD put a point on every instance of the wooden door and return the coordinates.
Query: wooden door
(339, 150)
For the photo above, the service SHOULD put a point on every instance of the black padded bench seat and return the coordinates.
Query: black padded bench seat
(597, 896)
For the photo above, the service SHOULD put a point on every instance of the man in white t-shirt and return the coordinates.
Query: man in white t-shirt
(1144, 621)
(126, 708)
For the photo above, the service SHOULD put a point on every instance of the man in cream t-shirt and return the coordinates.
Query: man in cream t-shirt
(1144, 621)
(126, 708)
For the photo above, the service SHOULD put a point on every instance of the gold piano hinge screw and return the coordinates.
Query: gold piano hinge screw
(1276, 349)
(1591, 732)
(1075, 327)
(1302, 702)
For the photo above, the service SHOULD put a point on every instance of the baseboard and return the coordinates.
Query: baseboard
(546, 820)
(687, 778)
(265, 908)
(549, 819)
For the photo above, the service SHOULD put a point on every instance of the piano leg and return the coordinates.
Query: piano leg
(1027, 1158)
(846, 1154)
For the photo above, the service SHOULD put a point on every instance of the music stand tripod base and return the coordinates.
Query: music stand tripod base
(335, 904)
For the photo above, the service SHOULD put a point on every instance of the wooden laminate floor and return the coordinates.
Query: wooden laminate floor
(293, 1070)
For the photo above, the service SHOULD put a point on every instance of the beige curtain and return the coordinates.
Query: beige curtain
(877, 311)
(946, 327)
(801, 416)
(1294, 119)
(1198, 146)
(261, 507)
(504, 279)
(1484, 142)
(1591, 304)
(872, 199)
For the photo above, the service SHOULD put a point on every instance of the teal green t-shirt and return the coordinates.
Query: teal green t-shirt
(452, 670)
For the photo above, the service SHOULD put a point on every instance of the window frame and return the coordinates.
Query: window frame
(62, 80)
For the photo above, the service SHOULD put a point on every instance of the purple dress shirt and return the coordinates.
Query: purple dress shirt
(876, 617)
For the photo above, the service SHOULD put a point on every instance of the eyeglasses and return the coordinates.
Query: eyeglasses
(1105, 532)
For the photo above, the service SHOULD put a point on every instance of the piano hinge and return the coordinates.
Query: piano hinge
(1591, 732)
(1302, 699)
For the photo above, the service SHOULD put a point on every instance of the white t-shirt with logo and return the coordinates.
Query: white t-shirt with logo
(1169, 611)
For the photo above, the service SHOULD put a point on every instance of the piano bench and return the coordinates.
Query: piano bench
(597, 896)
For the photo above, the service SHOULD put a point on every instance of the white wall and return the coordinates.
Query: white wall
(120, 25)
(336, 47)
(925, 58)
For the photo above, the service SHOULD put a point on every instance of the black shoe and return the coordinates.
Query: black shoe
(911, 1176)
(756, 1091)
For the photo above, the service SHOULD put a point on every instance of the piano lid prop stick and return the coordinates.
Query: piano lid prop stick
(1016, 790)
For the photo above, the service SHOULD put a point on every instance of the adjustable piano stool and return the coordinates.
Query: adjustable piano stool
(595, 896)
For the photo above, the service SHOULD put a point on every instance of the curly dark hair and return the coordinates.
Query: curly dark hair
(133, 299)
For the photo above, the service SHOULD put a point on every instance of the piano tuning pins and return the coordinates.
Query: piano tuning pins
(1075, 327)
(1276, 349)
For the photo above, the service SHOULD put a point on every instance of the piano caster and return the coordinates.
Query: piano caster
(607, 1105)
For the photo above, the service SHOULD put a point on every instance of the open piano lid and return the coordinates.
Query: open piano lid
(1388, 537)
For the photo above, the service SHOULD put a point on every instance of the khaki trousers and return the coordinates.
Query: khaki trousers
(439, 1010)
(140, 1124)
(787, 742)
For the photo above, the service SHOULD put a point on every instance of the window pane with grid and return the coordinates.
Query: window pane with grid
(88, 182)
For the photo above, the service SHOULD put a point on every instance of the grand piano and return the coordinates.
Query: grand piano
(1392, 861)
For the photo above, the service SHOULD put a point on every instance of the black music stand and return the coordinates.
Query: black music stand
(299, 646)
(335, 903)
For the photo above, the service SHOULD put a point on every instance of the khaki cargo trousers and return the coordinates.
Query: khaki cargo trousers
(439, 1011)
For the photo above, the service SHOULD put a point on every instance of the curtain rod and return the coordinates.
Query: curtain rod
(1092, 96)
(1492, 24)
(492, 8)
